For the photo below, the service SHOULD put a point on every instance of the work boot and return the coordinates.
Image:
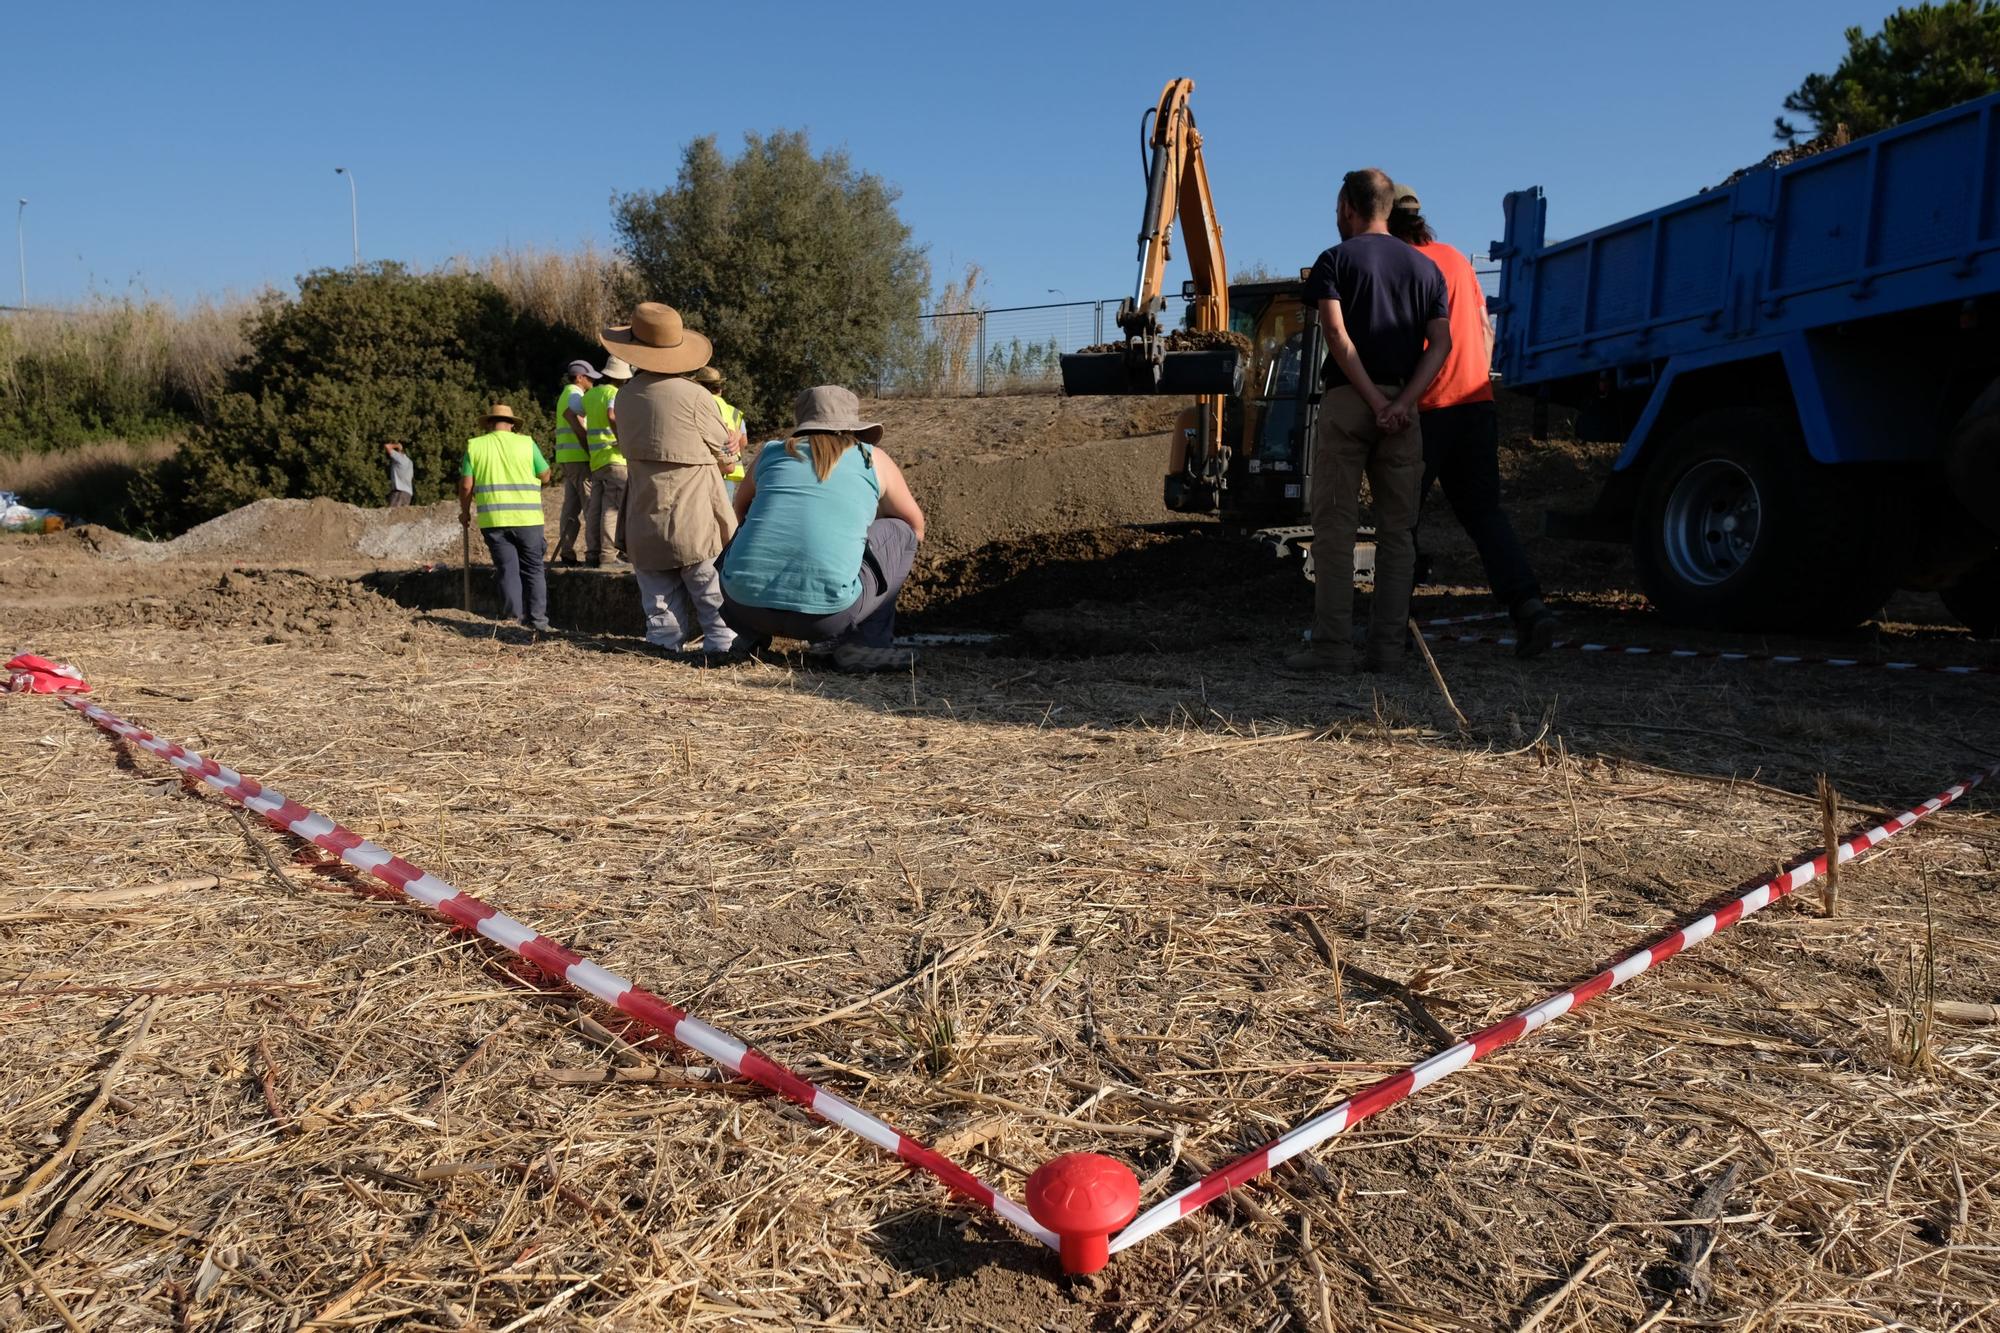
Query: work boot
(1534, 627)
(1387, 660)
(1320, 659)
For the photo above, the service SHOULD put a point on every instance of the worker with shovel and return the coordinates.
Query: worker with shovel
(501, 479)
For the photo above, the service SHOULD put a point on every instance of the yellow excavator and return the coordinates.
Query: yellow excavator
(1247, 353)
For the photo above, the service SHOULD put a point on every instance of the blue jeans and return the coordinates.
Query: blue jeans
(869, 621)
(517, 563)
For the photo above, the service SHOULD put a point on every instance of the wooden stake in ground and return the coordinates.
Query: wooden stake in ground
(465, 565)
(1438, 676)
(1829, 819)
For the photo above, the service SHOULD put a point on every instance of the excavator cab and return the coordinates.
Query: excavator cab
(1253, 472)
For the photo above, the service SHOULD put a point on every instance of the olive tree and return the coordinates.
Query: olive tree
(797, 265)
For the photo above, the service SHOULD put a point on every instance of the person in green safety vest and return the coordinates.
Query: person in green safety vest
(708, 377)
(572, 457)
(607, 465)
(500, 480)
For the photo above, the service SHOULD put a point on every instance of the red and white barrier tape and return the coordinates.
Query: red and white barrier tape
(1397, 1087)
(1477, 617)
(1719, 655)
(549, 956)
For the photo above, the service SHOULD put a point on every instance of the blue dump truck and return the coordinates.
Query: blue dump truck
(1804, 367)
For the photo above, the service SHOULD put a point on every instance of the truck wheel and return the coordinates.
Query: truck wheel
(1738, 528)
(1975, 599)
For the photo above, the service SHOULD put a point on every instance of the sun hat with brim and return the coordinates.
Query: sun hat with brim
(831, 409)
(581, 367)
(1406, 197)
(658, 341)
(616, 369)
(499, 412)
(707, 375)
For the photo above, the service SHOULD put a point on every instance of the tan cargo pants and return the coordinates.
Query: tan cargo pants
(602, 513)
(1347, 444)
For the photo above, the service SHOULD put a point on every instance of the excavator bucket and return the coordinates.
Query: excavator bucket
(1211, 370)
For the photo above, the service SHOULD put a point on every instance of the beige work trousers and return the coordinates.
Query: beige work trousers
(576, 489)
(1347, 444)
(602, 510)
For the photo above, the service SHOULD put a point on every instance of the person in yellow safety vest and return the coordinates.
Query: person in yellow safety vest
(607, 465)
(501, 478)
(572, 457)
(708, 377)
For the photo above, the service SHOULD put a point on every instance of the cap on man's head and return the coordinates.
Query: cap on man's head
(583, 368)
(1405, 197)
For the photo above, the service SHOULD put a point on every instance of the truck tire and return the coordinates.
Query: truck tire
(1738, 528)
(1975, 599)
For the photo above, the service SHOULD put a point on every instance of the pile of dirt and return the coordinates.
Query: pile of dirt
(1008, 468)
(917, 431)
(1185, 340)
(296, 531)
(1061, 588)
(272, 606)
(1837, 137)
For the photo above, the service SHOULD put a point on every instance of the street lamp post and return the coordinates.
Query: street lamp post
(353, 212)
(21, 244)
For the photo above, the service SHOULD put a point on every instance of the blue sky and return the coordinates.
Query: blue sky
(187, 149)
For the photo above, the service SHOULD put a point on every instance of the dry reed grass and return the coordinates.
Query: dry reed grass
(89, 481)
(144, 351)
(1016, 907)
(585, 289)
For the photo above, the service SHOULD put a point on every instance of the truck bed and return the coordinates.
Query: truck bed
(1895, 221)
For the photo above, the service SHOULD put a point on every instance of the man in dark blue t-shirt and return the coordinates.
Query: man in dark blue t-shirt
(1383, 310)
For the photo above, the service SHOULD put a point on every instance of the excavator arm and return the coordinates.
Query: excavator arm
(1152, 359)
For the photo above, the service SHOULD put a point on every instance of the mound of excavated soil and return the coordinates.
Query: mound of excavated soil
(927, 430)
(301, 531)
(1008, 468)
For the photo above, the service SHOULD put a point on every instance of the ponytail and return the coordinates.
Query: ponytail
(1408, 225)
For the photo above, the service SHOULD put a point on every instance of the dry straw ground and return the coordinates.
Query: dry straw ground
(1016, 906)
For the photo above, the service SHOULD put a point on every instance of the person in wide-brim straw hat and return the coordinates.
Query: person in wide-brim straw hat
(658, 341)
(677, 518)
(497, 415)
(827, 538)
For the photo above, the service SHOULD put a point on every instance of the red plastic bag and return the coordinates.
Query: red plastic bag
(27, 673)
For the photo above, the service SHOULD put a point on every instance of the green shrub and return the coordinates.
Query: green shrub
(357, 358)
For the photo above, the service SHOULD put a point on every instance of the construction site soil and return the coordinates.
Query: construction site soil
(1109, 884)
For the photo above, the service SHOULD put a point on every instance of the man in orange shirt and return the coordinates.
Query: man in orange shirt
(1461, 430)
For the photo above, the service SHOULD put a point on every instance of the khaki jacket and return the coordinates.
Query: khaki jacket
(669, 419)
(677, 512)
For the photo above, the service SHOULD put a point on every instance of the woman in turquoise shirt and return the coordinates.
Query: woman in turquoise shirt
(828, 532)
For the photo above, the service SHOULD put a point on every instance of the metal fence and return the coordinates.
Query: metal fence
(1015, 349)
(1008, 349)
